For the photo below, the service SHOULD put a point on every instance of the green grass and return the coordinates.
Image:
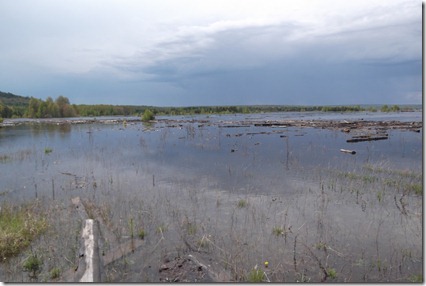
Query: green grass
(48, 150)
(416, 188)
(278, 230)
(416, 278)
(256, 276)
(242, 203)
(332, 273)
(55, 273)
(141, 234)
(18, 228)
(32, 264)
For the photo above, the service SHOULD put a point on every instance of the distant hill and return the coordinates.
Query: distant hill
(13, 100)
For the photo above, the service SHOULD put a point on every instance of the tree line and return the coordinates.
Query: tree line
(61, 107)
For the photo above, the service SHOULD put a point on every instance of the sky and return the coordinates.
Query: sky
(213, 52)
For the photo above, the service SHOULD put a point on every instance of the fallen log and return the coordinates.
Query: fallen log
(362, 139)
(348, 151)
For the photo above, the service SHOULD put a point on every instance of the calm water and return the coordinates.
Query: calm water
(231, 158)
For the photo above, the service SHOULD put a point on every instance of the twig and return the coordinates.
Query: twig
(324, 270)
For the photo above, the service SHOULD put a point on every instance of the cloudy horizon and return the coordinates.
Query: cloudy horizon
(233, 52)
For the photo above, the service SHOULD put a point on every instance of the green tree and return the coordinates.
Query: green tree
(65, 109)
(33, 107)
(395, 108)
(52, 109)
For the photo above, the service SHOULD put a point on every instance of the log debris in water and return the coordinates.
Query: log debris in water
(348, 151)
(366, 138)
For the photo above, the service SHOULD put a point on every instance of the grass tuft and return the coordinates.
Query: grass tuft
(48, 150)
(55, 273)
(277, 231)
(32, 264)
(331, 272)
(141, 234)
(256, 275)
(242, 203)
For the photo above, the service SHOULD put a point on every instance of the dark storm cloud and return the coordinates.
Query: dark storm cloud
(279, 52)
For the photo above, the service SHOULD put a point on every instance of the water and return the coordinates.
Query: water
(291, 177)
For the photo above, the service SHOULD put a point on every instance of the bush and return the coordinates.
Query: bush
(148, 115)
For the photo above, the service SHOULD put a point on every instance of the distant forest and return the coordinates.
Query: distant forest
(15, 106)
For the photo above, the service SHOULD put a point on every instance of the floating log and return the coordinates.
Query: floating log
(348, 151)
(366, 138)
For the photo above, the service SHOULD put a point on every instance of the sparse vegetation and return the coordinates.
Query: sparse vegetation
(48, 150)
(32, 265)
(332, 274)
(161, 228)
(242, 203)
(55, 273)
(256, 275)
(141, 234)
(19, 226)
(278, 230)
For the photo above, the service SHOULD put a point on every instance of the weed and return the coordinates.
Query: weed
(48, 150)
(4, 158)
(416, 188)
(380, 196)
(141, 234)
(278, 230)
(204, 242)
(55, 273)
(321, 246)
(331, 273)
(256, 275)
(161, 228)
(242, 203)
(32, 265)
(18, 227)
(416, 278)
(131, 228)
(191, 228)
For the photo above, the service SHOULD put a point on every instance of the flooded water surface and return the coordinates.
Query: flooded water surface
(228, 190)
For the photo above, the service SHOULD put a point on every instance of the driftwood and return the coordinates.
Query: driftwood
(366, 138)
(348, 151)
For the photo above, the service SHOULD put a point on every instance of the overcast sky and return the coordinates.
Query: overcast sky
(213, 52)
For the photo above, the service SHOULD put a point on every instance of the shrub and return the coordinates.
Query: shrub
(148, 115)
